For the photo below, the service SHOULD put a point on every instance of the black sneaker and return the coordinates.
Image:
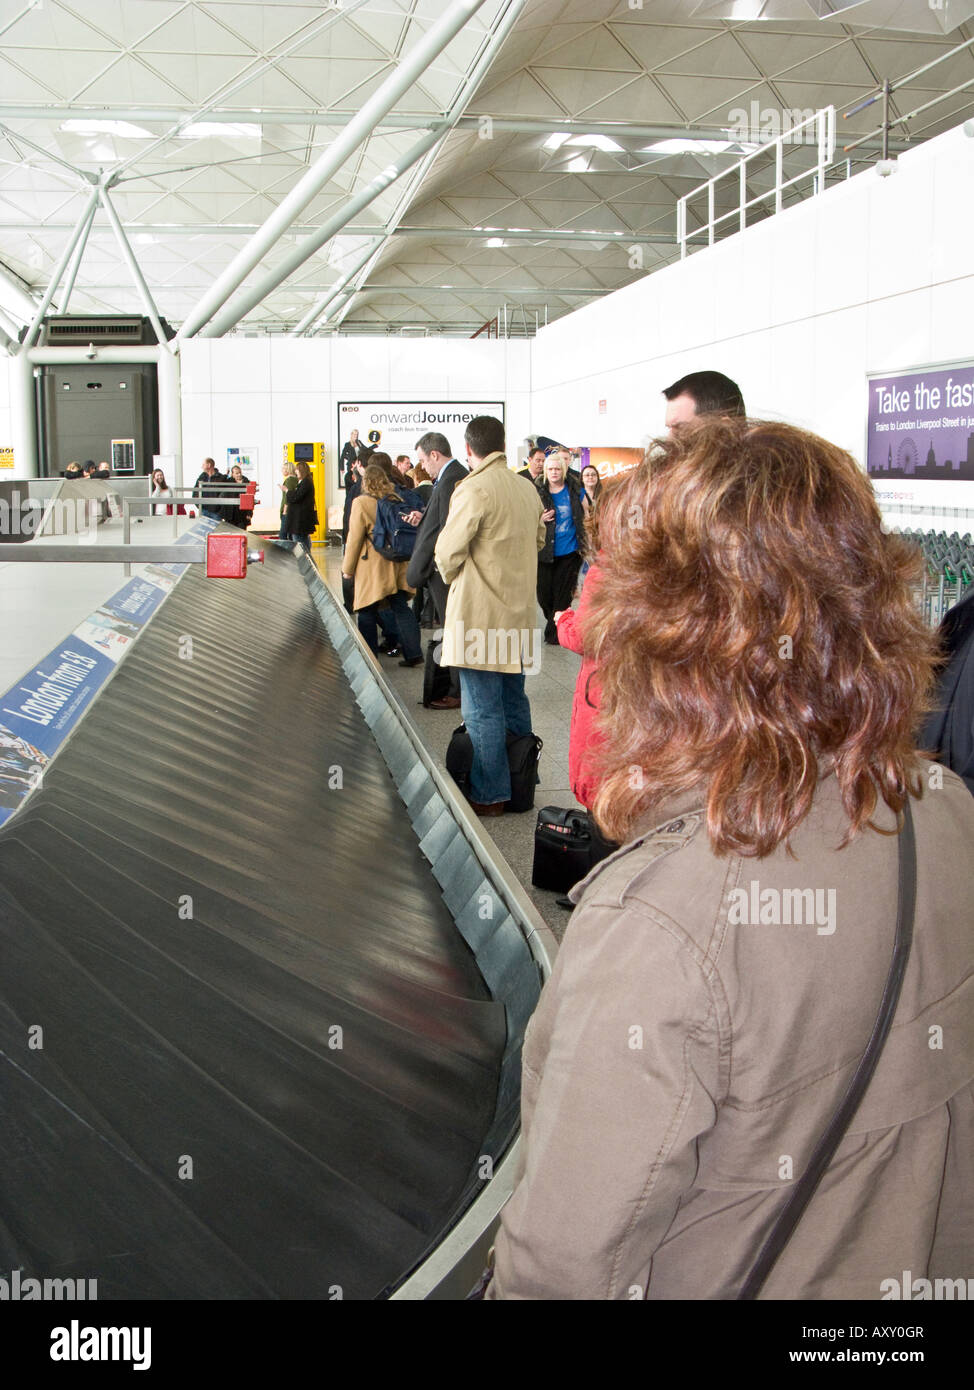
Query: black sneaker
(411, 661)
(390, 651)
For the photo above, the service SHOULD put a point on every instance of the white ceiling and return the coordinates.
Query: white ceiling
(269, 86)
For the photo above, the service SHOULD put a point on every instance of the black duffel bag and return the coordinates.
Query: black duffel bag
(523, 757)
(567, 845)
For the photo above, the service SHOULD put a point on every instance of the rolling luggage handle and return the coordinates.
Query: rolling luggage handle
(824, 1150)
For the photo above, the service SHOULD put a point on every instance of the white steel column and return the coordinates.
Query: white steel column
(333, 293)
(60, 269)
(79, 252)
(232, 313)
(23, 416)
(419, 58)
(17, 299)
(10, 326)
(170, 417)
(136, 274)
(471, 82)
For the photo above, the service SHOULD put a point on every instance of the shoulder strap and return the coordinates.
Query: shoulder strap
(822, 1155)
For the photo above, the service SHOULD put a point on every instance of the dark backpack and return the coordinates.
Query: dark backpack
(392, 537)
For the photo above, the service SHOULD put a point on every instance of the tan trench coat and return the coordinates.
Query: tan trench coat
(375, 577)
(684, 1059)
(488, 553)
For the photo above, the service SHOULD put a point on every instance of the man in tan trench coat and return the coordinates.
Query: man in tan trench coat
(488, 553)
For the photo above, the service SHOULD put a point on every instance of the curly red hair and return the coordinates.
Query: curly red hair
(754, 629)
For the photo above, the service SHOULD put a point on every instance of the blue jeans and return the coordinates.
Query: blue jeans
(493, 703)
(398, 622)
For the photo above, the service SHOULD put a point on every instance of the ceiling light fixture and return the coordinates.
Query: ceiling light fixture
(495, 241)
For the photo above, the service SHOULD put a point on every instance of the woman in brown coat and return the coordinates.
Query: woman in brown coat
(377, 579)
(763, 672)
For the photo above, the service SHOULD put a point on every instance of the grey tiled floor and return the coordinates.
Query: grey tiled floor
(550, 693)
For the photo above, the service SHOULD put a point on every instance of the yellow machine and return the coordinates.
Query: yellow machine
(314, 456)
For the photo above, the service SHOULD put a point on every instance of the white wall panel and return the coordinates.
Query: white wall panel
(298, 364)
(899, 332)
(198, 444)
(240, 364)
(901, 226)
(838, 274)
(194, 367)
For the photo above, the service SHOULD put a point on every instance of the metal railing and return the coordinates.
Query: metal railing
(886, 90)
(821, 129)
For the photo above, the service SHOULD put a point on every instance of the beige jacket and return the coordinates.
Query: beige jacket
(684, 1060)
(375, 576)
(488, 553)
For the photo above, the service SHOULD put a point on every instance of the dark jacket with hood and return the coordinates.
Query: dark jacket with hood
(578, 517)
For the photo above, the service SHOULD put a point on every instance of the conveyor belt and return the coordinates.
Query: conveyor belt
(216, 875)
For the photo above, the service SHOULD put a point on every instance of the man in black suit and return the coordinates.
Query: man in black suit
(533, 470)
(436, 457)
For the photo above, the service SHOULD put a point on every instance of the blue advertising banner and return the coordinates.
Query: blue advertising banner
(921, 425)
(38, 713)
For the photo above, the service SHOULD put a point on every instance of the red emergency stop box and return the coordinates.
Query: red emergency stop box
(226, 556)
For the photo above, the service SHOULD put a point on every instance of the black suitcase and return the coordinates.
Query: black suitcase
(567, 846)
(523, 756)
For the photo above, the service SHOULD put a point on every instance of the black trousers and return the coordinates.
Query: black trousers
(556, 588)
(439, 592)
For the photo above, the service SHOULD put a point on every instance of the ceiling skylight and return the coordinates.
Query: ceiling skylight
(123, 130)
(591, 142)
(680, 146)
(219, 130)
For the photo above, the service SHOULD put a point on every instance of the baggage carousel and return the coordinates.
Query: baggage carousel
(245, 1052)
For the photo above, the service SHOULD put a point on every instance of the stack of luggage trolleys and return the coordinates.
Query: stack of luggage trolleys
(948, 571)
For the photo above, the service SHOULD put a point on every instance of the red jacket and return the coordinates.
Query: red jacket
(583, 738)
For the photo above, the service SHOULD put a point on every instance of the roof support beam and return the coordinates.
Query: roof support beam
(426, 51)
(233, 312)
(427, 148)
(471, 84)
(49, 293)
(336, 293)
(228, 229)
(254, 70)
(505, 125)
(14, 295)
(79, 251)
(127, 255)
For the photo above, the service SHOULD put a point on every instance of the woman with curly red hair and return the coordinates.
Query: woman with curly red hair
(762, 672)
